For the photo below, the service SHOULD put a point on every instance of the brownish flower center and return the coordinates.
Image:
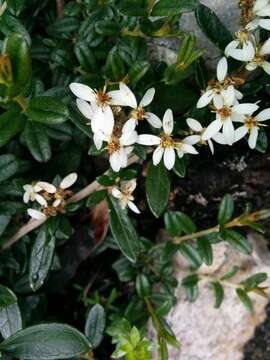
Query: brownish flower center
(246, 7)
(224, 112)
(138, 114)
(103, 98)
(250, 122)
(113, 145)
(166, 141)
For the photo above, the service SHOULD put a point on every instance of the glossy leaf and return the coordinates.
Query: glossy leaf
(190, 253)
(254, 280)
(245, 299)
(226, 209)
(10, 316)
(238, 241)
(9, 165)
(37, 141)
(11, 123)
(205, 250)
(95, 325)
(219, 293)
(173, 7)
(142, 285)
(48, 110)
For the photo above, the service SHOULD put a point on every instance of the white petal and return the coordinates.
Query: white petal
(211, 146)
(251, 66)
(56, 203)
(252, 25)
(82, 91)
(149, 140)
(68, 181)
(236, 54)
(265, 24)
(115, 161)
(194, 124)
(266, 67)
(26, 197)
(240, 133)
(232, 45)
(133, 207)
(265, 49)
(219, 138)
(168, 122)
(123, 97)
(218, 101)
(263, 115)
(49, 188)
(28, 188)
(85, 108)
(238, 94)
(205, 99)
(248, 51)
(169, 157)
(188, 149)
(116, 193)
(157, 155)
(35, 214)
(40, 199)
(212, 129)
(245, 109)
(192, 139)
(148, 97)
(228, 131)
(259, 5)
(129, 126)
(130, 186)
(222, 69)
(252, 140)
(128, 139)
(97, 141)
(153, 120)
(229, 95)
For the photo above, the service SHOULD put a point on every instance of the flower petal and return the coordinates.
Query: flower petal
(188, 149)
(26, 197)
(252, 140)
(219, 138)
(218, 101)
(263, 115)
(149, 140)
(97, 140)
(266, 67)
(265, 49)
(147, 98)
(128, 139)
(228, 131)
(205, 99)
(153, 120)
(168, 122)
(133, 207)
(229, 95)
(35, 214)
(123, 97)
(115, 161)
(232, 45)
(192, 139)
(85, 108)
(169, 157)
(49, 188)
(240, 133)
(82, 91)
(157, 155)
(265, 24)
(212, 129)
(116, 193)
(194, 124)
(68, 181)
(245, 109)
(211, 146)
(222, 69)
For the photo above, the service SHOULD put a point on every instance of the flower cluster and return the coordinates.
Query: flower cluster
(124, 195)
(51, 199)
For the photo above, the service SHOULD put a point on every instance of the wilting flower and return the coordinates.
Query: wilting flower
(219, 91)
(251, 126)
(261, 8)
(166, 145)
(259, 58)
(225, 116)
(124, 195)
(243, 47)
(118, 141)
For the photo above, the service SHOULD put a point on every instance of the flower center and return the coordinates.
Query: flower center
(103, 98)
(113, 145)
(243, 35)
(246, 7)
(166, 141)
(138, 114)
(224, 112)
(250, 122)
(259, 59)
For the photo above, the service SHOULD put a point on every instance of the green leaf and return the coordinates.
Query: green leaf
(157, 188)
(95, 198)
(190, 253)
(142, 285)
(85, 56)
(4, 221)
(107, 27)
(137, 71)
(95, 325)
(41, 259)
(123, 230)
(9, 25)
(205, 250)
(254, 280)
(172, 223)
(79, 120)
(237, 240)
(180, 167)
(133, 7)
(226, 209)
(10, 316)
(190, 281)
(15, 6)
(173, 7)
(48, 110)
(262, 142)
(11, 123)
(219, 293)
(212, 27)
(9, 166)
(115, 67)
(37, 141)
(245, 299)
(46, 342)
(231, 273)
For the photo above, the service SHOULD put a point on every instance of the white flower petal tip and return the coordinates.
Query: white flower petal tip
(82, 91)
(68, 181)
(147, 98)
(133, 207)
(222, 69)
(49, 188)
(168, 122)
(194, 124)
(36, 214)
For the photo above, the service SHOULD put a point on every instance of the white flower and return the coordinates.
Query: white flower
(219, 91)
(224, 120)
(197, 138)
(118, 144)
(259, 58)
(36, 214)
(66, 183)
(31, 194)
(124, 195)
(261, 8)
(166, 145)
(243, 47)
(251, 125)
(139, 113)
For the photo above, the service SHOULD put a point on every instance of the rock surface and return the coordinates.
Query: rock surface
(207, 333)
(227, 11)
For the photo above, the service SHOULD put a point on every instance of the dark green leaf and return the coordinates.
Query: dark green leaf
(245, 299)
(212, 27)
(157, 188)
(190, 281)
(107, 27)
(115, 67)
(173, 7)
(37, 141)
(9, 166)
(226, 209)
(85, 56)
(190, 253)
(172, 223)
(137, 71)
(11, 122)
(9, 25)
(95, 325)
(237, 240)
(48, 110)
(10, 316)
(41, 259)
(46, 342)
(231, 273)
(123, 230)
(4, 221)
(205, 249)
(133, 7)
(262, 142)
(219, 293)
(180, 167)
(254, 280)
(142, 285)
(96, 198)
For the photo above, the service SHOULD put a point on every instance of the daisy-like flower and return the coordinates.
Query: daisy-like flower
(259, 58)
(260, 9)
(225, 116)
(61, 192)
(119, 142)
(32, 194)
(243, 47)
(166, 145)
(36, 214)
(218, 91)
(251, 126)
(124, 195)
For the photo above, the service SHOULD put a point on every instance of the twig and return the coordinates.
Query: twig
(60, 8)
(82, 194)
